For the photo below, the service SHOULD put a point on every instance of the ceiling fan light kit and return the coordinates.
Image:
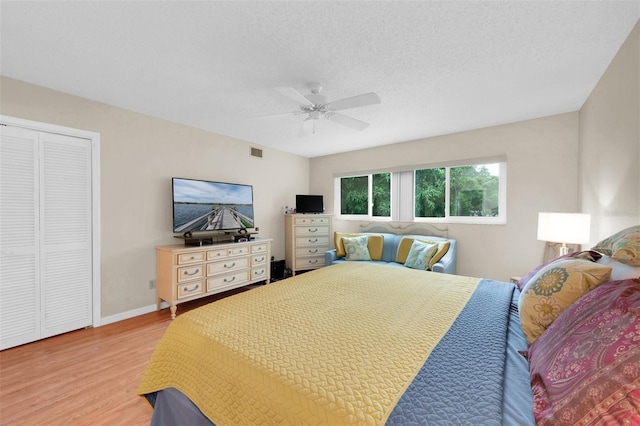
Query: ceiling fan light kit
(316, 106)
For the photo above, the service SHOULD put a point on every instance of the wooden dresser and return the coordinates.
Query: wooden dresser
(188, 273)
(307, 237)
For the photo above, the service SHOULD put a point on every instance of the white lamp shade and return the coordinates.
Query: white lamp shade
(569, 228)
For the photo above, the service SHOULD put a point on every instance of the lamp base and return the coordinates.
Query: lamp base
(563, 250)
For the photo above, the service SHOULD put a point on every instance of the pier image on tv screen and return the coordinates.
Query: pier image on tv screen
(200, 205)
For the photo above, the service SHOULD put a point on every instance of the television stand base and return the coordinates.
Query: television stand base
(198, 242)
(207, 240)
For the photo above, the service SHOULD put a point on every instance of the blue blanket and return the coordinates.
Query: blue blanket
(462, 380)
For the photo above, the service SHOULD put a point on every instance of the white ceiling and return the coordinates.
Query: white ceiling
(438, 66)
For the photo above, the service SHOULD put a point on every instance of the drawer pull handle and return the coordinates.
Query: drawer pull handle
(313, 251)
(259, 260)
(313, 230)
(315, 240)
(231, 280)
(232, 265)
(192, 257)
(313, 261)
(186, 289)
(260, 272)
(197, 271)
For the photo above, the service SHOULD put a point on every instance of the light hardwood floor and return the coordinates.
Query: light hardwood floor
(85, 377)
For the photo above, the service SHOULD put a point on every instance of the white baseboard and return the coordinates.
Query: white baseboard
(131, 314)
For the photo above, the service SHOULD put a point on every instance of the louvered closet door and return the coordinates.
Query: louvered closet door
(45, 235)
(65, 197)
(19, 242)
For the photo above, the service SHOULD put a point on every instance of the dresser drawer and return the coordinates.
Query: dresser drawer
(187, 273)
(237, 251)
(259, 248)
(312, 241)
(310, 251)
(258, 259)
(227, 265)
(226, 280)
(190, 289)
(312, 230)
(312, 221)
(193, 257)
(217, 254)
(309, 262)
(259, 273)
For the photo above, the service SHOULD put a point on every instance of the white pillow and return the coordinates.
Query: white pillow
(619, 270)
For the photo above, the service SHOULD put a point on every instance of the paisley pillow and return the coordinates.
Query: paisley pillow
(624, 246)
(553, 289)
(585, 369)
(356, 248)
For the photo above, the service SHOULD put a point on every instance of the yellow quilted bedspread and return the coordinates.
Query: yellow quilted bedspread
(338, 345)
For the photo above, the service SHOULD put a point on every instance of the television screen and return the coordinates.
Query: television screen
(200, 205)
(309, 204)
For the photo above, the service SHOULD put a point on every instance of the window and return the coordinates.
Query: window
(354, 195)
(381, 189)
(473, 193)
(356, 191)
(430, 192)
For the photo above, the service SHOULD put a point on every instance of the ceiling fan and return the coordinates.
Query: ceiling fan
(316, 106)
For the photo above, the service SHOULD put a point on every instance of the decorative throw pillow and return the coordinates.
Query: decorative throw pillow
(593, 256)
(553, 289)
(356, 248)
(623, 245)
(585, 369)
(420, 255)
(337, 240)
(375, 244)
(405, 246)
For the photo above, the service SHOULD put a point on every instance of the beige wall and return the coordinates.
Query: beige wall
(139, 155)
(542, 175)
(610, 144)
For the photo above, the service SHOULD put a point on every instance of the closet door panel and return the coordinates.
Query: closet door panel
(19, 242)
(66, 229)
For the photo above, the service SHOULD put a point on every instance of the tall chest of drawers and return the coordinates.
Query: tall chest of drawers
(307, 237)
(188, 273)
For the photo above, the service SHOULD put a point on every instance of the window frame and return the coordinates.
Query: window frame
(398, 198)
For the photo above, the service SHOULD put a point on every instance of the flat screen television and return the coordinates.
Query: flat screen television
(200, 205)
(309, 204)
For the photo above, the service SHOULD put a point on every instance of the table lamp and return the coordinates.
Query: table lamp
(565, 228)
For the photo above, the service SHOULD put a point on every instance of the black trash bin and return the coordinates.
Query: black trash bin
(277, 270)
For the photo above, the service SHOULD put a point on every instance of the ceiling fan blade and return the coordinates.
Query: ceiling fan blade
(294, 95)
(346, 121)
(353, 102)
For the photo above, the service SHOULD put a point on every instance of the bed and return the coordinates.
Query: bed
(358, 343)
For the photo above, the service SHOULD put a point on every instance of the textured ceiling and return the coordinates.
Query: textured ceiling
(438, 67)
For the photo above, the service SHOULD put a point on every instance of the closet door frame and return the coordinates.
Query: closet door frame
(94, 139)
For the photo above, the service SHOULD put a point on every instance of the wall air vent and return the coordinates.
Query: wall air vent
(255, 152)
